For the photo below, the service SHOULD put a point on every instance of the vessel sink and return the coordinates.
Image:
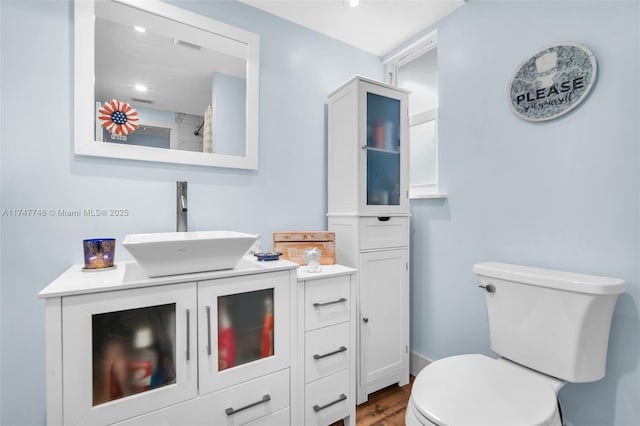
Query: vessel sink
(173, 253)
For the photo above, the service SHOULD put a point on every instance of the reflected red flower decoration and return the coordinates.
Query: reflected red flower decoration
(118, 117)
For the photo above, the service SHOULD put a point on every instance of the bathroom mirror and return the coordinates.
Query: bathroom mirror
(192, 81)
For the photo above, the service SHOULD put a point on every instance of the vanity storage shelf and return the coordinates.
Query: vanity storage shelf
(204, 348)
(327, 319)
(368, 209)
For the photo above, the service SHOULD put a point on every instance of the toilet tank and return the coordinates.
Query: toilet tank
(551, 321)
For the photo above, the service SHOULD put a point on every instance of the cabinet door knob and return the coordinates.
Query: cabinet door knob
(366, 320)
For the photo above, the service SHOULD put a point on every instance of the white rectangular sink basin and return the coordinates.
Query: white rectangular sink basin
(173, 253)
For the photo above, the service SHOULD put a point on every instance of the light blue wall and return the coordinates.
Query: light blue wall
(562, 194)
(39, 170)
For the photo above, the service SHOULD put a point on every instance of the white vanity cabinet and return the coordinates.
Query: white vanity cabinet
(327, 355)
(368, 209)
(207, 348)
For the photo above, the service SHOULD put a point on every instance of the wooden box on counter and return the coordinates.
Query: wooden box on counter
(292, 245)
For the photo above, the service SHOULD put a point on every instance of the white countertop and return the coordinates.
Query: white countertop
(325, 271)
(129, 274)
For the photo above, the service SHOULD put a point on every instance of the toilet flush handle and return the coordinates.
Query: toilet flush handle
(489, 287)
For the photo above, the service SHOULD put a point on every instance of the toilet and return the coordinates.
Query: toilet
(549, 328)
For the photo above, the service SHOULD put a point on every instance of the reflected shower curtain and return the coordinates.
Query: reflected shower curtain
(207, 141)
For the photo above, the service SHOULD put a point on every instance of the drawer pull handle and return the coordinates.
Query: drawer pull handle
(333, 302)
(230, 411)
(208, 309)
(341, 398)
(188, 342)
(383, 218)
(337, 351)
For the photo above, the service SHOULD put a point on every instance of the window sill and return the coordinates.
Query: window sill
(425, 191)
(427, 196)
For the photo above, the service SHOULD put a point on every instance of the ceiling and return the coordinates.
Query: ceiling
(376, 26)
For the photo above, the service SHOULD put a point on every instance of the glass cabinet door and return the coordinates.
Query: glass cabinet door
(130, 352)
(133, 351)
(383, 150)
(245, 327)
(386, 153)
(244, 331)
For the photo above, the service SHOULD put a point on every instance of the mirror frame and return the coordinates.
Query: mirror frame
(84, 90)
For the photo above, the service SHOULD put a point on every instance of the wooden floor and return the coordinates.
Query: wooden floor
(385, 407)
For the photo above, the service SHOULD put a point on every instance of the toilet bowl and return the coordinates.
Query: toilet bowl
(476, 390)
(550, 327)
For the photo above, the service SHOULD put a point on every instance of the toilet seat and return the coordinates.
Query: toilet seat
(475, 390)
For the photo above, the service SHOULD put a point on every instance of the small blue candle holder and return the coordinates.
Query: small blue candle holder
(99, 254)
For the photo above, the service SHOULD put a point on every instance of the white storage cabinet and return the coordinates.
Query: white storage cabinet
(368, 209)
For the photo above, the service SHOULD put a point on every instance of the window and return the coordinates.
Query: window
(416, 69)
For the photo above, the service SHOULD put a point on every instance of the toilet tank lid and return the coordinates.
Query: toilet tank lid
(561, 280)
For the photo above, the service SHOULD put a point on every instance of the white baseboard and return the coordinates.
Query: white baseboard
(417, 362)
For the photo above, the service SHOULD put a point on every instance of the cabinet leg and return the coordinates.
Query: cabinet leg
(349, 421)
(361, 397)
(404, 380)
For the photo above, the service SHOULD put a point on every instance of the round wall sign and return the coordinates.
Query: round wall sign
(552, 82)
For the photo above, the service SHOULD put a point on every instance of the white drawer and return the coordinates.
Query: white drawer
(326, 302)
(211, 409)
(384, 232)
(279, 418)
(275, 386)
(327, 400)
(326, 351)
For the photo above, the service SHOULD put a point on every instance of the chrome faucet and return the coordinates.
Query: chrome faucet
(181, 206)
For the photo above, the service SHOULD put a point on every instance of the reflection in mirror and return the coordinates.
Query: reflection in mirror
(170, 85)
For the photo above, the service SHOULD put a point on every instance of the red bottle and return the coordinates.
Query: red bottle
(226, 338)
(266, 347)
